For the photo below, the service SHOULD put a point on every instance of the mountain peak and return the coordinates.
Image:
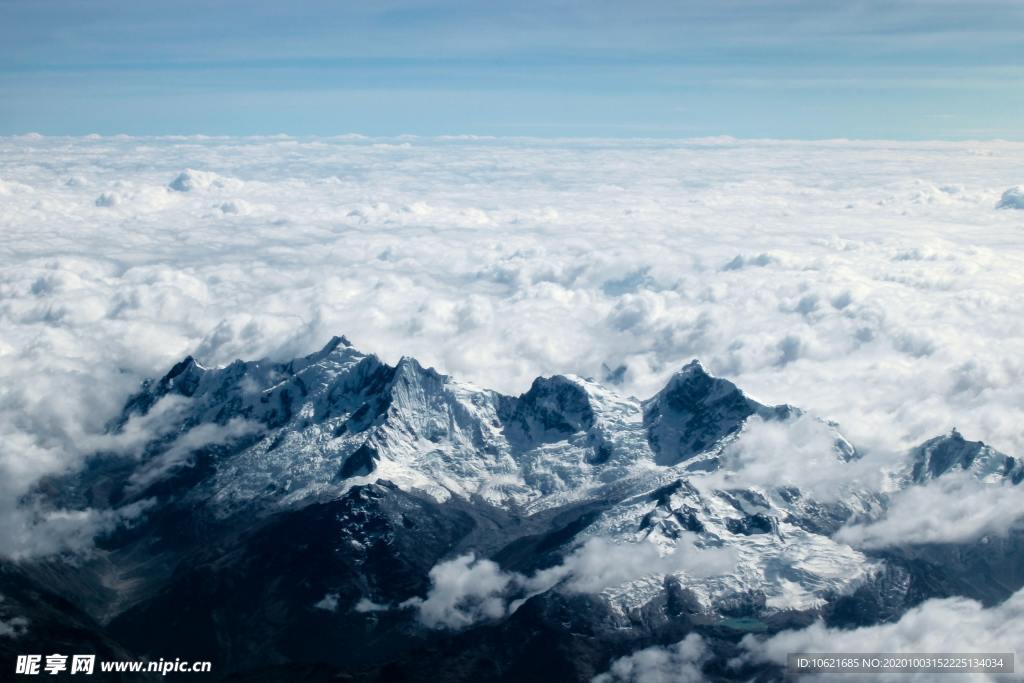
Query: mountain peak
(555, 404)
(693, 386)
(184, 377)
(949, 452)
(335, 345)
(694, 367)
(408, 364)
(694, 411)
(335, 342)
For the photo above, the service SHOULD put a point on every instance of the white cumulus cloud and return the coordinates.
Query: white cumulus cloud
(955, 508)
(466, 589)
(463, 591)
(949, 625)
(801, 452)
(679, 663)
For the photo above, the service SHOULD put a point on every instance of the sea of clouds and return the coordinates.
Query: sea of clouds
(875, 283)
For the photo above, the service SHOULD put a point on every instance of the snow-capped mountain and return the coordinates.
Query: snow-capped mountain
(953, 452)
(369, 518)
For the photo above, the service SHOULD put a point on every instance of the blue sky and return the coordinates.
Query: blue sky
(788, 68)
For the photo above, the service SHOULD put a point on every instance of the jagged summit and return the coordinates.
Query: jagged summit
(338, 411)
(695, 410)
(694, 385)
(952, 452)
(694, 367)
(552, 408)
(322, 421)
(314, 426)
(183, 375)
(334, 343)
(552, 397)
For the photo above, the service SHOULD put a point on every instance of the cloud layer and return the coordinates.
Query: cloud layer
(875, 283)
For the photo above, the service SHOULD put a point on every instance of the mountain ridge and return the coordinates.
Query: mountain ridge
(349, 491)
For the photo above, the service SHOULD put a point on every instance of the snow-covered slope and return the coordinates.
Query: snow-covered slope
(338, 418)
(649, 507)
